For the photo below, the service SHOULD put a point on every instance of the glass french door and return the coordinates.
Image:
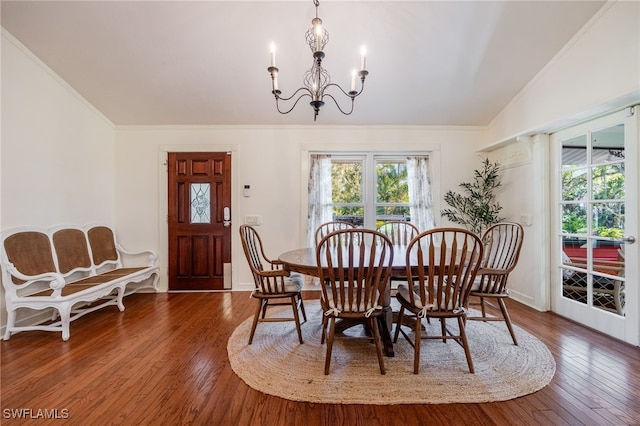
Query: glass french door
(594, 276)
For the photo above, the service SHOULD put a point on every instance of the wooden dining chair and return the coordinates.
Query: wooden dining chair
(354, 266)
(502, 243)
(328, 227)
(400, 233)
(273, 285)
(441, 266)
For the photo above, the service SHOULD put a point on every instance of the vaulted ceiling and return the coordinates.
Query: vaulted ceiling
(205, 62)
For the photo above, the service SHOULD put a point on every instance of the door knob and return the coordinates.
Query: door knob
(628, 240)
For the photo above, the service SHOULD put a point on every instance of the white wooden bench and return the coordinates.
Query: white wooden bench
(71, 269)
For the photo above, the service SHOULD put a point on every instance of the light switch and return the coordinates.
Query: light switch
(253, 220)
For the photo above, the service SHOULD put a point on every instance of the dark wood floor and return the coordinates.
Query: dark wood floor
(164, 361)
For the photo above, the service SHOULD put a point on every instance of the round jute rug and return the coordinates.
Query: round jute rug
(278, 365)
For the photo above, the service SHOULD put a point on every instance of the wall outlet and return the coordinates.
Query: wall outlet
(253, 220)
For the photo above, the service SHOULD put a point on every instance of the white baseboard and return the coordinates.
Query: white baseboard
(525, 300)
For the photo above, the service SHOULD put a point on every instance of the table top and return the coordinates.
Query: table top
(303, 260)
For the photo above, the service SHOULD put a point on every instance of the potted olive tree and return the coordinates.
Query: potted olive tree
(476, 207)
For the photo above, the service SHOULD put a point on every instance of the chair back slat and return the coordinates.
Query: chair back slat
(329, 227)
(502, 244)
(441, 266)
(400, 233)
(259, 263)
(355, 266)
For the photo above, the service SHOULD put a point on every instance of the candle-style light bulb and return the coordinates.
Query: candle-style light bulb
(273, 54)
(353, 80)
(318, 37)
(363, 58)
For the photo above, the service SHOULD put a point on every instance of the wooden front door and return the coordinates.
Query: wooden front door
(199, 220)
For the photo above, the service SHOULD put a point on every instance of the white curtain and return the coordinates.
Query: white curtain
(320, 210)
(419, 193)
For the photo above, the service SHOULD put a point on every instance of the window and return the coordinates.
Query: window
(392, 191)
(368, 190)
(592, 187)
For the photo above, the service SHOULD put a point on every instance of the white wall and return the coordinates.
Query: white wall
(273, 160)
(597, 72)
(58, 157)
(57, 150)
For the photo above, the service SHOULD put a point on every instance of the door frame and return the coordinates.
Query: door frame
(163, 207)
(626, 328)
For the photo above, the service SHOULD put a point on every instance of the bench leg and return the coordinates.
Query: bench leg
(156, 278)
(11, 321)
(119, 297)
(65, 320)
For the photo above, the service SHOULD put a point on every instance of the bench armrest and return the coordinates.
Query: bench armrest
(56, 280)
(152, 256)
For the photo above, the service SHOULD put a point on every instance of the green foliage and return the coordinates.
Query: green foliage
(574, 222)
(476, 208)
(608, 215)
(603, 231)
(346, 186)
(346, 182)
(392, 185)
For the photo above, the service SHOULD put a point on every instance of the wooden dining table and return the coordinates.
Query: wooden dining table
(304, 262)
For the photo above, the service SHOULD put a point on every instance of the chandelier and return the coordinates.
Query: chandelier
(316, 79)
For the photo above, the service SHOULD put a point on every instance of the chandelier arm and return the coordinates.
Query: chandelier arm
(294, 104)
(338, 105)
(294, 94)
(352, 94)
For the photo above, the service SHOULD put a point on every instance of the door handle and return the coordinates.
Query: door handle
(628, 240)
(226, 214)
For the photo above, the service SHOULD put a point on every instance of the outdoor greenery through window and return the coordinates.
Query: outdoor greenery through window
(593, 194)
(593, 219)
(392, 191)
(348, 191)
(368, 190)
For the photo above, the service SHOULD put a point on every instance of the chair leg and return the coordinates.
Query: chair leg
(443, 326)
(327, 361)
(304, 313)
(294, 306)
(482, 308)
(398, 323)
(323, 337)
(256, 317)
(507, 319)
(373, 321)
(465, 344)
(416, 347)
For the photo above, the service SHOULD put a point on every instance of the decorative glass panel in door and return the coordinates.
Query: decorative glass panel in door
(200, 203)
